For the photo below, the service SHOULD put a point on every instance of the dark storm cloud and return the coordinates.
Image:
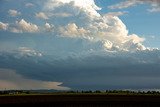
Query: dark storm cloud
(135, 70)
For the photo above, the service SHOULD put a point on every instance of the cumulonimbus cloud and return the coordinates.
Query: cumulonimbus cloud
(89, 24)
(84, 21)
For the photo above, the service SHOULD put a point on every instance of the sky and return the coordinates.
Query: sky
(79, 44)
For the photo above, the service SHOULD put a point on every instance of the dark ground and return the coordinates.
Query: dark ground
(86, 100)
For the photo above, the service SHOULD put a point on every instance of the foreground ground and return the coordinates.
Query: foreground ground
(80, 100)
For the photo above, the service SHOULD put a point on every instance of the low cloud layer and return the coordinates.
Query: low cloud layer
(87, 70)
(9, 79)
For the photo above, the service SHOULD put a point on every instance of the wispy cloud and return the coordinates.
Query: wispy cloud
(29, 4)
(117, 13)
(125, 4)
(155, 4)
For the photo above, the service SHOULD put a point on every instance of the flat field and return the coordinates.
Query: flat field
(80, 100)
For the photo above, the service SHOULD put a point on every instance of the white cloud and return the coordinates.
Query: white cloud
(23, 26)
(29, 5)
(28, 27)
(72, 30)
(49, 27)
(9, 79)
(4, 26)
(14, 13)
(87, 23)
(41, 15)
(88, 5)
(115, 31)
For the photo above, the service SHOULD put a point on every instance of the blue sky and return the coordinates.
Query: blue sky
(61, 43)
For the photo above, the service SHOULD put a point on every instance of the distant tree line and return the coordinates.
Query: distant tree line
(14, 92)
(117, 92)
